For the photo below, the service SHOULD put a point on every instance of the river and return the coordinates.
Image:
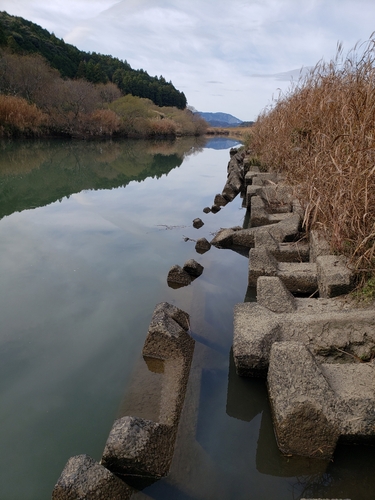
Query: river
(88, 232)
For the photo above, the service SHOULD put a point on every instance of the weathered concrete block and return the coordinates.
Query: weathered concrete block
(318, 245)
(301, 401)
(193, 268)
(334, 276)
(261, 263)
(84, 479)
(331, 331)
(253, 339)
(298, 251)
(139, 447)
(229, 193)
(259, 215)
(197, 223)
(273, 294)
(215, 209)
(220, 200)
(354, 388)
(181, 317)
(244, 238)
(299, 277)
(168, 335)
(223, 239)
(207, 210)
(202, 245)
(177, 277)
(250, 192)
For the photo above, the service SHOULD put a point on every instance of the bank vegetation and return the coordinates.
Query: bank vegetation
(36, 101)
(321, 135)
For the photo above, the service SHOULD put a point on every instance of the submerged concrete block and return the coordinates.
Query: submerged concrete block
(334, 276)
(202, 245)
(84, 479)
(220, 200)
(302, 402)
(168, 335)
(139, 447)
(198, 223)
(193, 268)
(177, 277)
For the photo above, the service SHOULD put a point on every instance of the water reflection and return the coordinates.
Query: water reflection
(37, 173)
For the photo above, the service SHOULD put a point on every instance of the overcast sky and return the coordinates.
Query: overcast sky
(225, 55)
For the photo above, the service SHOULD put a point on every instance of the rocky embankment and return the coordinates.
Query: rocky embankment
(315, 348)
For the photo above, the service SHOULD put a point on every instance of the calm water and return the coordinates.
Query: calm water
(88, 232)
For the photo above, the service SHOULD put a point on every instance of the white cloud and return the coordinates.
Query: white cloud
(197, 43)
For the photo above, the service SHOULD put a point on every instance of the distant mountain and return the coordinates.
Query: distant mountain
(220, 119)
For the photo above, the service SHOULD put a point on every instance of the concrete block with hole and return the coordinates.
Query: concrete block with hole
(315, 404)
(332, 330)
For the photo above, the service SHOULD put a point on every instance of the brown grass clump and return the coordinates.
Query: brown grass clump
(18, 116)
(321, 135)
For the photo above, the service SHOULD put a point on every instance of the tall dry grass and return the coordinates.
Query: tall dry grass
(321, 135)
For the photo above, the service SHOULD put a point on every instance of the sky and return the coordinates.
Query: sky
(232, 56)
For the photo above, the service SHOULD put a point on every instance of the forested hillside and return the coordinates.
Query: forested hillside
(50, 88)
(24, 37)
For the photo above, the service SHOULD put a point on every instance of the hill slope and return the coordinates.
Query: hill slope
(24, 37)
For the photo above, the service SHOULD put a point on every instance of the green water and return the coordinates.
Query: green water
(88, 232)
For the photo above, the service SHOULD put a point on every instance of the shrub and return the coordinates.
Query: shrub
(18, 116)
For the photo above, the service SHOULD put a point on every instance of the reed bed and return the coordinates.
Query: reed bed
(321, 135)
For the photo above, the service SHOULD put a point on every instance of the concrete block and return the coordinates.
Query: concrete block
(177, 277)
(139, 447)
(318, 245)
(202, 245)
(354, 388)
(168, 335)
(220, 200)
(334, 276)
(198, 223)
(223, 239)
(302, 402)
(261, 263)
(84, 479)
(299, 277)
(273, 294)
(193, 268)
(258, 215)
(253, 339)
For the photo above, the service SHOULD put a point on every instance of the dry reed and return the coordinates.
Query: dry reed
(321, 135)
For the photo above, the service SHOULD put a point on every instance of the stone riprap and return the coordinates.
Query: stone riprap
(331, 329)
(85, 479)
(141, 449)
(315, 404)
